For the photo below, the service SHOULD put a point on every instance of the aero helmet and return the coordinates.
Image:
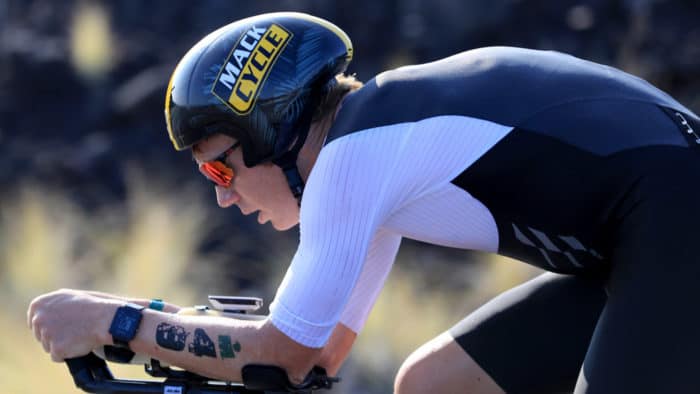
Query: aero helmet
(258, 80)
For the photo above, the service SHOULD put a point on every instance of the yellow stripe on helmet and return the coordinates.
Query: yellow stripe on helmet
(168, 118)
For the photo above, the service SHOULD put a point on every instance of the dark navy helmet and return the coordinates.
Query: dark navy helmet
(258, 80)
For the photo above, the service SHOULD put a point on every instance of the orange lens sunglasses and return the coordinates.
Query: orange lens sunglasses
(217, 171)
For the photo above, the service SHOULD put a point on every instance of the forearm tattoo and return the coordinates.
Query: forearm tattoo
(226, 348)
(174, 337)
(171, 337)
(202, 345)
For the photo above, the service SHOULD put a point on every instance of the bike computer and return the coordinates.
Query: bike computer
(231, 304)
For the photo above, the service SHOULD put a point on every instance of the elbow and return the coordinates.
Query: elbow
(296, 359)
(300, 362)
(298, 373)
(337, 349)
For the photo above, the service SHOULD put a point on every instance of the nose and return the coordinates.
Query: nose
(226, 196)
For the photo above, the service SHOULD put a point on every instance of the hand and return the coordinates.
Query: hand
(70, 323)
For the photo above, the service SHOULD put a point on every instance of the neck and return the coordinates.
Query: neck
(314, 142)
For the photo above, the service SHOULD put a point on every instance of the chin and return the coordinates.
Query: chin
(283, 226)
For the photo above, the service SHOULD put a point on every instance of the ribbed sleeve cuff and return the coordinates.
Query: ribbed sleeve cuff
(302, 331)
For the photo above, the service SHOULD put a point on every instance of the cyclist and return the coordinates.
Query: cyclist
(574, 167)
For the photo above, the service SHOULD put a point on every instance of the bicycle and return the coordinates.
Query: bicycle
(91, 373)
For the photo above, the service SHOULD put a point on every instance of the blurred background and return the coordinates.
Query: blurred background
(93, 196)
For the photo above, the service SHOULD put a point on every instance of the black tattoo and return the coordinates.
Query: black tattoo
(171, 337)
(202, 345)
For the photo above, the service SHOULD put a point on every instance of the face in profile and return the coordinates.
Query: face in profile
(261, 189)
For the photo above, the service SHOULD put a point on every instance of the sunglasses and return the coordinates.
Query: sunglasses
(217, 171)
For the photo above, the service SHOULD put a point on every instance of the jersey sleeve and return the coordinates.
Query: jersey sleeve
(380, 259)
(343, 206)
(359, 185)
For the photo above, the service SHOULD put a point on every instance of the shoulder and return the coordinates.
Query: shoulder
(401, 159)
(478, 83)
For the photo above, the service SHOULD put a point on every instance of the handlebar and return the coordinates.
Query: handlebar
(92, 375)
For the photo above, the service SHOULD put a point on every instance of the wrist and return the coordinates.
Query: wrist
(106, 311)
(126, 323)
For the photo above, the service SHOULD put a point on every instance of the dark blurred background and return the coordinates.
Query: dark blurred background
(78, 99)
(84, 151)
(82, 82)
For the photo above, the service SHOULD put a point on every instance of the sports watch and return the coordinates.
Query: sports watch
(125, 324)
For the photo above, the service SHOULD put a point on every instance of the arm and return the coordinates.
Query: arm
(382, 253)
(71, 323)
(380, 257)
(218, 347)
(343, 256)
(337, 349)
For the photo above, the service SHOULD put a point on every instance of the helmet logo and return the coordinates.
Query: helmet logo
(247, 66)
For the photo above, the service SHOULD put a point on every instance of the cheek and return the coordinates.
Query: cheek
(266, 184)
(274, 181)
(280, 195)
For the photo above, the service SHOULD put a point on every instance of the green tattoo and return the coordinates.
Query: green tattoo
(226, 348)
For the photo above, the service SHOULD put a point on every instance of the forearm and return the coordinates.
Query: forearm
(205, 345)
(219, 347)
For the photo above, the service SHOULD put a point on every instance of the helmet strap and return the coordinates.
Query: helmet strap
(296, 184)
(288, 163)
(288, 160)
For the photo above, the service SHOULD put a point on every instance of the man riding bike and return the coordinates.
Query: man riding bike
(577, 168)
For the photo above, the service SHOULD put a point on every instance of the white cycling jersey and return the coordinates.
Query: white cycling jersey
(365, 192)
(520, 152)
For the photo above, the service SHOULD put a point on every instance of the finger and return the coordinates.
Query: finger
(45, 341)
(29, 315)
(57, 354)
(30, 312)
(34, 307)
(46, 346)
(36, 328)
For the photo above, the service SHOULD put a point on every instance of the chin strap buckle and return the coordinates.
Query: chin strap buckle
(296, 184)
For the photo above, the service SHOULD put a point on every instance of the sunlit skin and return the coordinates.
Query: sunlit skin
(262, 188)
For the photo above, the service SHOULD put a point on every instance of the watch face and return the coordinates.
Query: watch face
(126, 322)
(126, 325)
